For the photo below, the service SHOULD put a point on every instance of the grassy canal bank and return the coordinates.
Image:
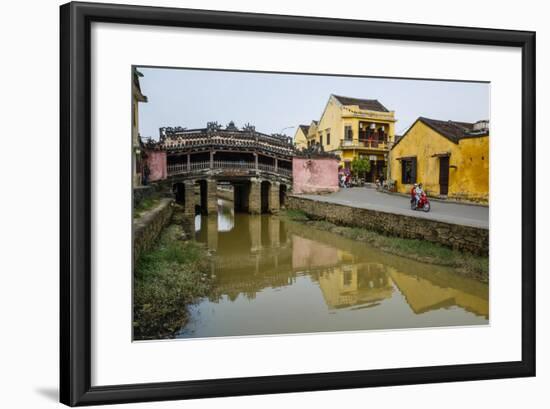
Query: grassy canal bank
(465, 263)
(167, 279)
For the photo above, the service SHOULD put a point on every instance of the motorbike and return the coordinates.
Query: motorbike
(423, 203)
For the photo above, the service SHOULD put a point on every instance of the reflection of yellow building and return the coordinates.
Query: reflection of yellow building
(422, 295)
(355, 284)
(367, 284)
(354, 127)
(449, 158)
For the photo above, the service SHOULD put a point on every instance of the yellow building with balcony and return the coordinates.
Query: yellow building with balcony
(449, 158)
(355, 128)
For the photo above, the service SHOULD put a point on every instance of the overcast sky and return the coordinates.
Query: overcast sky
(272, 102)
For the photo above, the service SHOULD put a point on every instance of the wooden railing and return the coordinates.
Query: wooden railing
(183, 168)
(286, 172)
(228, 164)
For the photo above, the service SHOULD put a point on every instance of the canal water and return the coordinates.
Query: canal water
(274, 276)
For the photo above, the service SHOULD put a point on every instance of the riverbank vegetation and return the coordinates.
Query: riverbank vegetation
(167, 279)
(420, 250)
(145, 205)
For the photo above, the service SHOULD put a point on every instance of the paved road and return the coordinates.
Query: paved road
(369, 198)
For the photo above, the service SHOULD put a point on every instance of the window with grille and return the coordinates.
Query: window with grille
(348, 133)
(408, 171)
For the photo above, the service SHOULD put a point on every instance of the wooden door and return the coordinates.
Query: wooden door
(444, 175)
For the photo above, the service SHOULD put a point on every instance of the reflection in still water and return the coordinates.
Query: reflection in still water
(274, 277)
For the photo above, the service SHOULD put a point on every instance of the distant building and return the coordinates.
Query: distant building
(306, 135)
(449, 158)
(300, 137)
(355, 128)
(137, 97)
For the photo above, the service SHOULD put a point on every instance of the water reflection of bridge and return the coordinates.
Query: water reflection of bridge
(257, 165)
(266, 252)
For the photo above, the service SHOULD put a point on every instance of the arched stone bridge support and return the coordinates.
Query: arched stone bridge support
(189, 203)
(255, 195)
(184, 193)
(274, 204)
(211, 196)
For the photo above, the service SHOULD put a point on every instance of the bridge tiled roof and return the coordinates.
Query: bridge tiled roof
(204, 139)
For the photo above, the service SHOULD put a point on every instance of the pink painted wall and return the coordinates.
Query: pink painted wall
(156, 160)
(314, 175)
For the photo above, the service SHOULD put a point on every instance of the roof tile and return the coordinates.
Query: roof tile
(367, 104)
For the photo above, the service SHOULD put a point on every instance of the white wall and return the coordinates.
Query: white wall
(29, 202)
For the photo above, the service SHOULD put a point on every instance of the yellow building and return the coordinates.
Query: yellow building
(312, 135)
(449, 158)
(137, 97)
(300, 137)
(354, 127)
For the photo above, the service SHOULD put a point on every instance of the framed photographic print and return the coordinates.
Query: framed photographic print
(262, 203)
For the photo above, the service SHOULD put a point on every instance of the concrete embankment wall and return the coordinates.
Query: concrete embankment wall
(465, 238)
(149, 225)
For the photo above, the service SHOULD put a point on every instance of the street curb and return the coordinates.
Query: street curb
(435, 199)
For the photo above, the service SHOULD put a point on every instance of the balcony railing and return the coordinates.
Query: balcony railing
(183, 168)
(371, 144)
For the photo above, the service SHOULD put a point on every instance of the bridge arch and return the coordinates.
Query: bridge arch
(201, 204)
(241, 192)
(265, 193)
(178, 189)
(206, 202)
(282, 195)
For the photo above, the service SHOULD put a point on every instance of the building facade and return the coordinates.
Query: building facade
(313, 135)
(355, 128)
(301, 137)
(137, 97)
(449, 158)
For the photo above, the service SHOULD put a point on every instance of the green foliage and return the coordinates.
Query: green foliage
(359, 166)
(296, 215)
(146, 204)
(166, 280)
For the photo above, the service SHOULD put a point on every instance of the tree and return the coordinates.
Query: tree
(360, 166)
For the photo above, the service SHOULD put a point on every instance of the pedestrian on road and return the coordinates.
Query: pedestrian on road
(146, 173)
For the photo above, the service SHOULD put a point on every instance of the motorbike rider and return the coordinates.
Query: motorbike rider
(413, 192)
(417, 193)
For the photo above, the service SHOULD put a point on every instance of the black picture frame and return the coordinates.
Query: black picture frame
(76, 198)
